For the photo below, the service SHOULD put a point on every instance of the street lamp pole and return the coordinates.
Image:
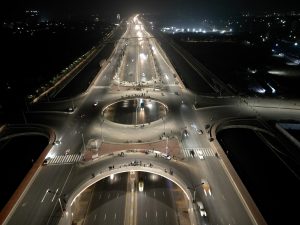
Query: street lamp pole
(167, 142)
(83, 142)
(164, 125)
(136, 111)
(194, 197)
(101, 124)
(24, 117)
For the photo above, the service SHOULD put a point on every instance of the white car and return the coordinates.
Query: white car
(166, 156)
(57, 142)
(201, 208)
(141, 185)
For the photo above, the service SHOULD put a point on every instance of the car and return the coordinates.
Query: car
(57, 142)
(201, 208)
(46, 161)
(141, 185)
(199, 131)
(206, 187)
(96, 103)
(71, 109)
(185, 133)
(67, 152)
(166, 156)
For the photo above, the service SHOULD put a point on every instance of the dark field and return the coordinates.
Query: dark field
(272, 184)
(233, 61)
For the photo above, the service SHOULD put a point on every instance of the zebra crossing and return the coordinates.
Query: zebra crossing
(65, 159)
(199, 152)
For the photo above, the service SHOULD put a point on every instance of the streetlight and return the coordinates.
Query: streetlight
(101, 125)
(194, 191)
(164, 126)
(167, 145)
(83, 142)
(24, 117)
(136, 113)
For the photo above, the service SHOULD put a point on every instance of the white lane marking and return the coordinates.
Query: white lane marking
(163, 193)
(166, 213)
(108, 196)
(156, 213)
(45, 195)
(105, 216)
(118, 195)
(115, 216)
(154, 193)
(55, 194)
(95, 216)
(146, 214)
(100, 196)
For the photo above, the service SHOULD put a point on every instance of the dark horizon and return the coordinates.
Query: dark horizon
(211, 9)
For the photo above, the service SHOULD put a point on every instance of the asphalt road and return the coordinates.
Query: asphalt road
(107, 202)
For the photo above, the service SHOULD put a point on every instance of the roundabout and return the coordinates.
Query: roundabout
(135, 111)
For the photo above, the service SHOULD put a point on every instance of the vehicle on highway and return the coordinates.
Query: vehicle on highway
(201, 208)
(141, 185)
(46, 161)
(67, 152)
(166, 156)
(71, 109)
(185, 133)
(96, 103)
(57, 142)
(199, 131)
(206, 187)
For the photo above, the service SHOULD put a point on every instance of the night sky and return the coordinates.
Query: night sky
(200, 8)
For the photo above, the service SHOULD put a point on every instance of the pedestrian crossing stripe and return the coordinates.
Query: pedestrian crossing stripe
(199, 152)
(65, 159)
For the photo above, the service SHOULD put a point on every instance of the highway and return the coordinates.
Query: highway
(107, 201)
(137, 68)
